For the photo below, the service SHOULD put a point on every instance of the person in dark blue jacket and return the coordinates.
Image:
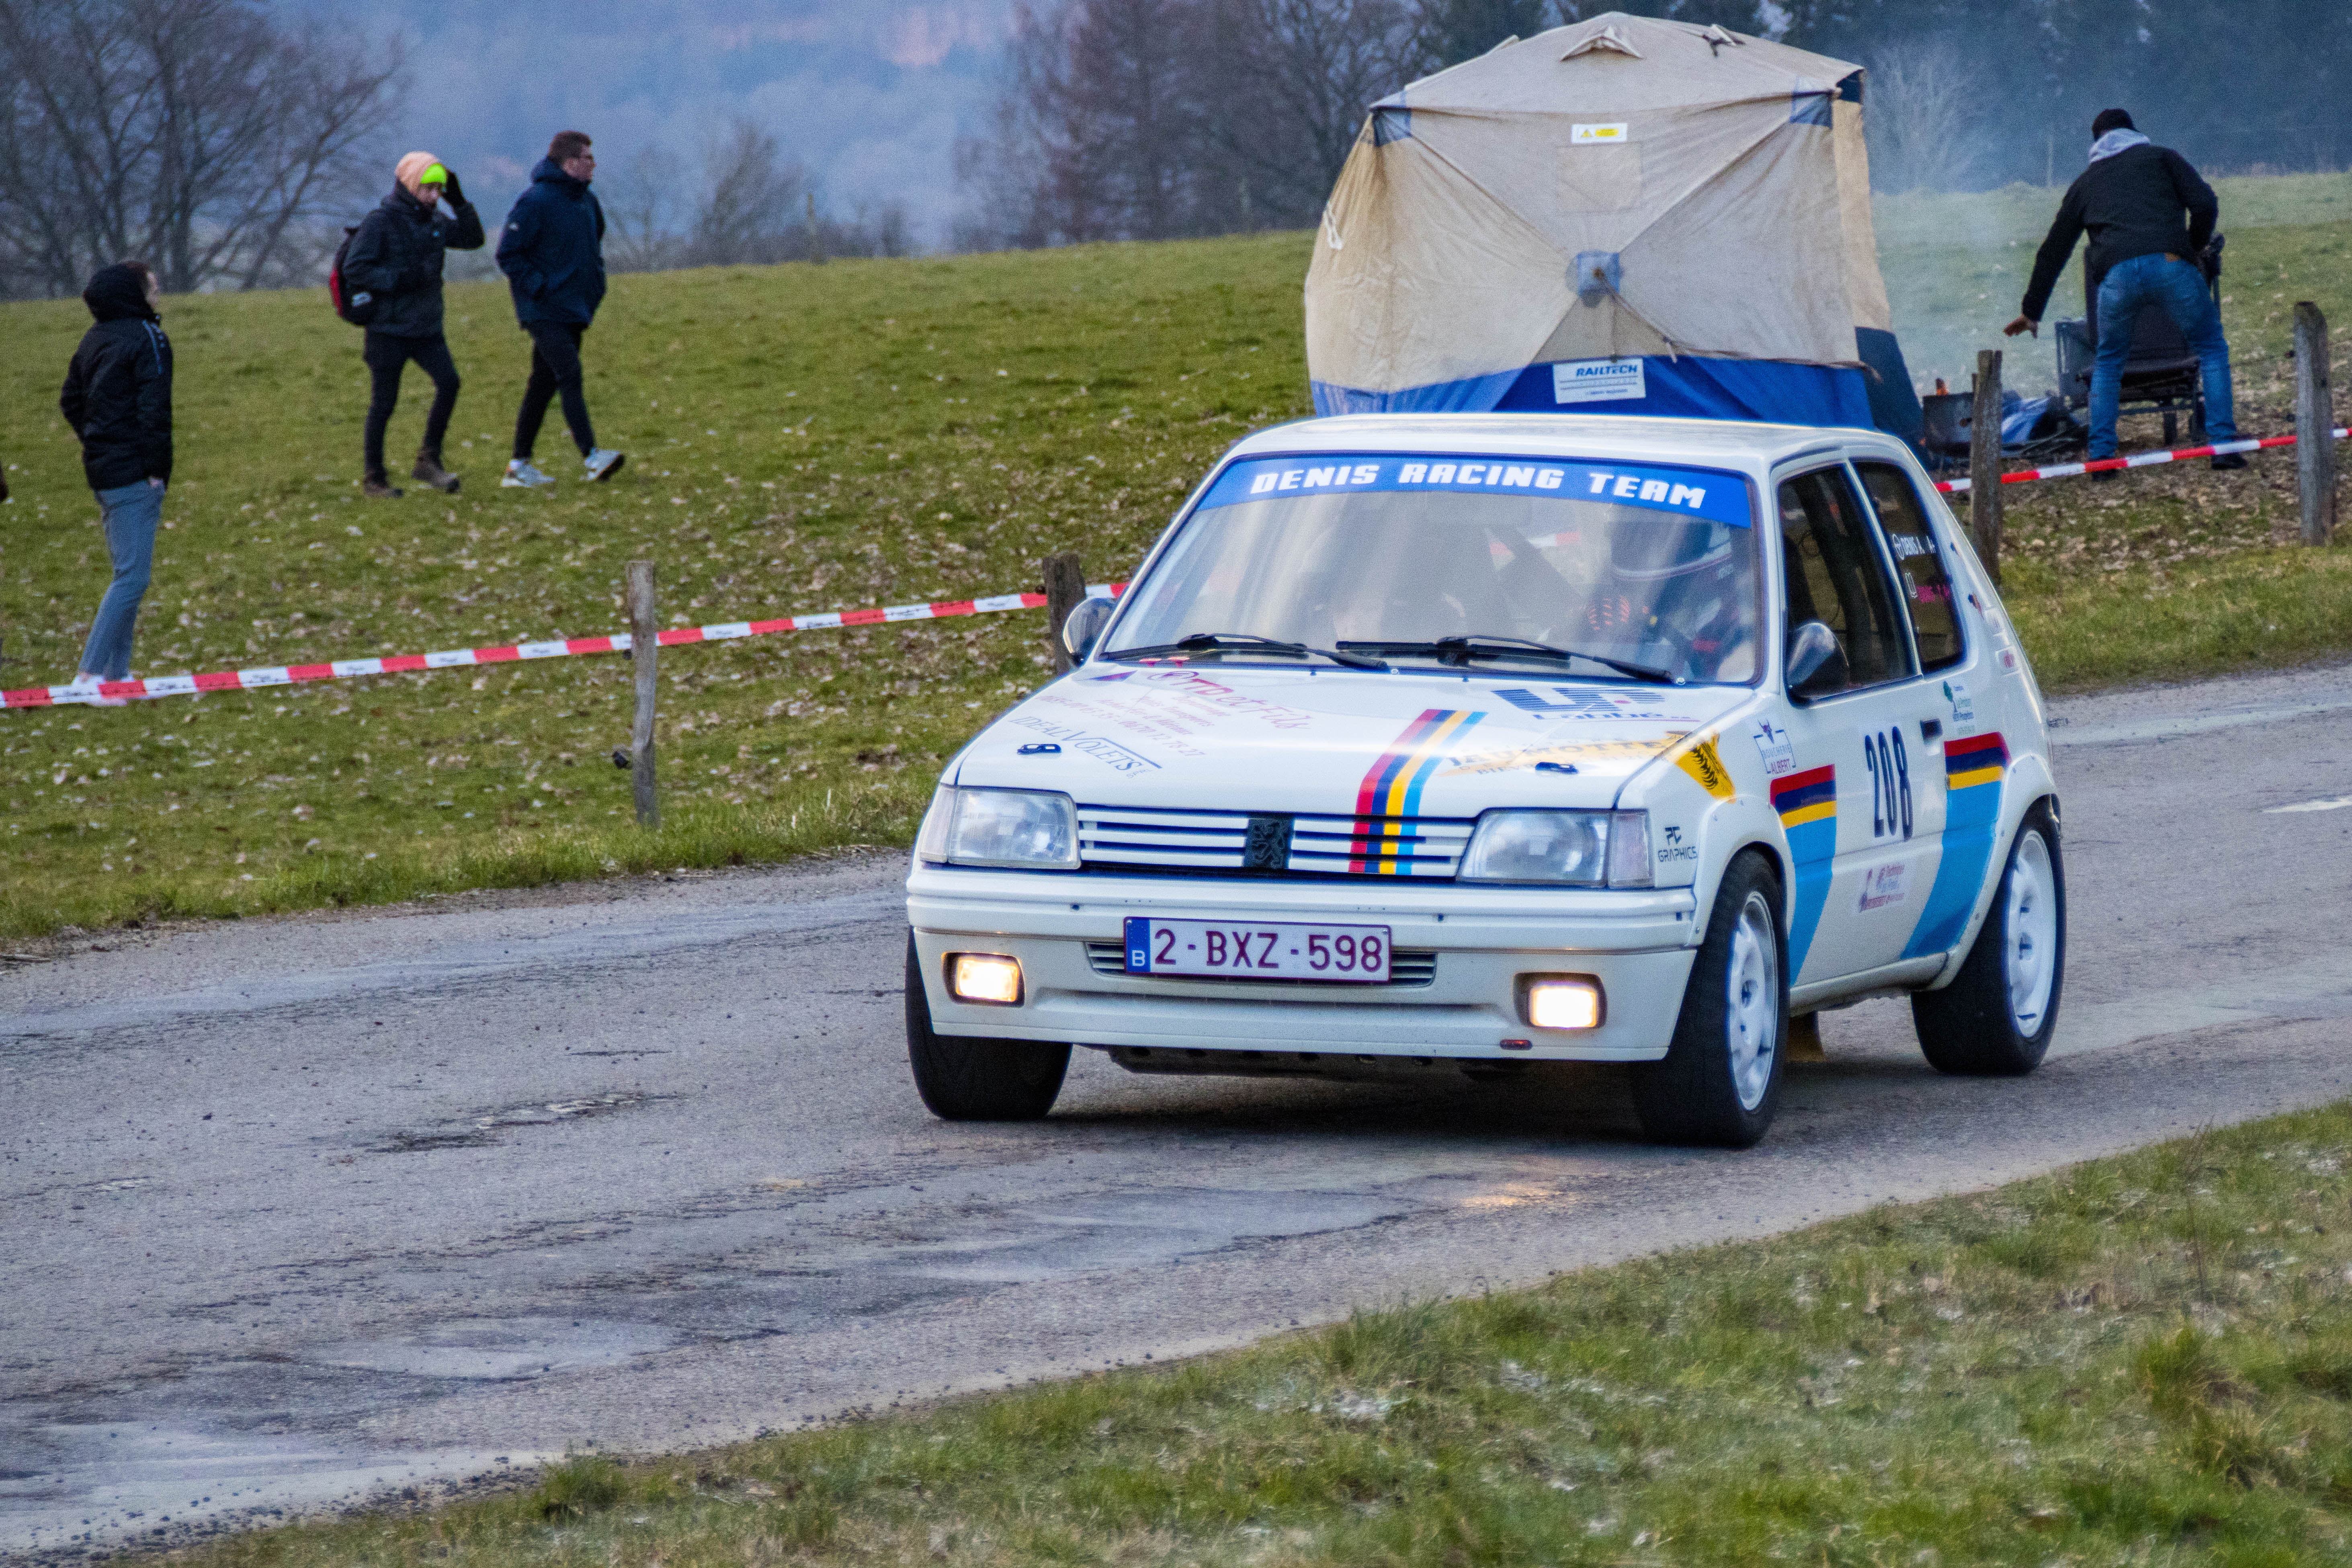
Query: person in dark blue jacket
(397, 256)
(552, 252)
(118, 398)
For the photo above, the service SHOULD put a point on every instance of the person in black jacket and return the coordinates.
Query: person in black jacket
(118, 398)
(2149, 215)
(552, 252)
(397, 256)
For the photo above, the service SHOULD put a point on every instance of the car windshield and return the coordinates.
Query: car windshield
(1651, 572)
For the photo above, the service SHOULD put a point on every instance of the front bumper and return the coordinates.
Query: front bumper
(1639, 945)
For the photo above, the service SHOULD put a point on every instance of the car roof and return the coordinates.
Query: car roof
(1616, 437)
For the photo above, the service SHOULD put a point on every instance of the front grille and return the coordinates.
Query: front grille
(1317, 845)
(1405, 968)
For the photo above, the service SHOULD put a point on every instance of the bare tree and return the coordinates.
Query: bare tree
(1451, 31)
(197, 134)
(1104, 128)
(642, 203)
(752, 201)
(1295, 81)
(1921, 116)
(1148, 119)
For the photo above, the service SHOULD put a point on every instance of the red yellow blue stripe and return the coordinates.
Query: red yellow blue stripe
(1391, 788)
(1972, 760)
(1808, 796)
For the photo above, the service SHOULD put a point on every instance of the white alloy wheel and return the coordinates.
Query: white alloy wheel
(1752, 1017)
(2030, 946)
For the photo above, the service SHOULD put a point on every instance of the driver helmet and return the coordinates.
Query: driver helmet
(1666, 570)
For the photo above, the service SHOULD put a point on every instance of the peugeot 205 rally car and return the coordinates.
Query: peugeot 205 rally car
(1444, 743)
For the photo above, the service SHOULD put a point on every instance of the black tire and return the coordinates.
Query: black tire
(1695, 1094)
(963, 1077)
(1970, 1027)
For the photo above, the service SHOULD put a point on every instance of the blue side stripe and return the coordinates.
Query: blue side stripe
(1971, 818)
(1814, 846)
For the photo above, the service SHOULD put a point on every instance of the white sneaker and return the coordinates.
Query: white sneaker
(603, 463)
(85, 689)
(523, 475)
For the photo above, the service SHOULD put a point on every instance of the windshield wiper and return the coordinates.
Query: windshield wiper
(1480, 645)
(1246, 642)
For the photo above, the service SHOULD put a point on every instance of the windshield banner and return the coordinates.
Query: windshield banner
(1691, 492)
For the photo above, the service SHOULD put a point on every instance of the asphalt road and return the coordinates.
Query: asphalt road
(299, 1211)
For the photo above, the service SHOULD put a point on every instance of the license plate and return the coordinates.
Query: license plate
(1255, 950)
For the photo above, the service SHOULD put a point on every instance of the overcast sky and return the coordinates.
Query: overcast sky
(871, 94)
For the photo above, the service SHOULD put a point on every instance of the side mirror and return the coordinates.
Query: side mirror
(1085, 625)
(1815, 664)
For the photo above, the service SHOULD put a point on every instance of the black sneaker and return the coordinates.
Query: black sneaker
(379, 489)
(2229, 461)
(2103, 475)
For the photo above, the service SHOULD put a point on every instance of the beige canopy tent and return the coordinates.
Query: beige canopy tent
(1626, 214)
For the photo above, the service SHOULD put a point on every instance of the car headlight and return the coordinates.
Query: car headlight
(1034, 829)
(1565, 848)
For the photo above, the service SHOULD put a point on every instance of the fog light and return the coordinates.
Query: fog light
(1572, 1002)
(984, 977)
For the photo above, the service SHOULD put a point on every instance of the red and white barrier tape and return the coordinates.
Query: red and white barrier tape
(2137, 460)
(343, 669)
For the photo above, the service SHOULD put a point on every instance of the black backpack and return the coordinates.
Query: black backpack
(359, 309)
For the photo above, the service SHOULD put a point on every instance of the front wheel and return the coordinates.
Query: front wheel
(1719, 1081)
(1995, 1019)
(965, 1077)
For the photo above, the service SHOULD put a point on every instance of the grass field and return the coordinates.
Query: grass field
(808, 438)
(2143, 1360)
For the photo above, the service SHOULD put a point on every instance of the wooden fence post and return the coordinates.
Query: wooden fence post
(644, 641)
(2314, 424)
(1984, 463)
(1065, 590)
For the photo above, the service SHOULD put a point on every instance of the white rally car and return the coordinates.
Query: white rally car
(1453, 743)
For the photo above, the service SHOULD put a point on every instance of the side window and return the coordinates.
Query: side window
(1921, 564)
(1833, 574)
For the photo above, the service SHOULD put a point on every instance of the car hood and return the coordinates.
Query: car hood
(1238, 739)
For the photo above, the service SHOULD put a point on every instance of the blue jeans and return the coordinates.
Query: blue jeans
(133, 512)
(2181, 288)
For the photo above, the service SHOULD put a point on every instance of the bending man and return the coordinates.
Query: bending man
(2149, 216)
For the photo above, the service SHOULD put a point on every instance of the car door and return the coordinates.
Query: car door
(1861, 802)
(1968, 753)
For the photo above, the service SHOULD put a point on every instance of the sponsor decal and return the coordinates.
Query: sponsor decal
(1963, 707)
(1392, 789)
(1118, 758)
(1191, 686)
(1704, 762)
(1674, 849)
(1688, 493)
(1884, 885)
(2009, 658)
(1974, 769)
(1598, 381)
(1568, 756)
(1772, 745)
(1807, 805)
(1173, 734)
(1578, 702)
